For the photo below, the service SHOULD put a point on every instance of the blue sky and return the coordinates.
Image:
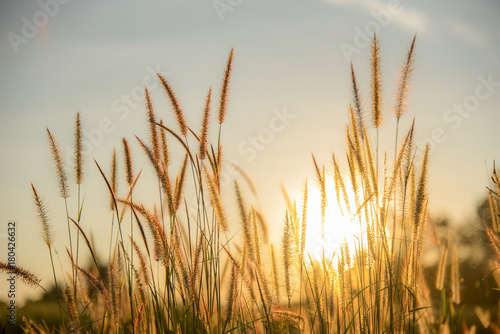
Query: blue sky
(290, 59)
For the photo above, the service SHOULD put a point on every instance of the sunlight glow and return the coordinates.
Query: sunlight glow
(339, 226)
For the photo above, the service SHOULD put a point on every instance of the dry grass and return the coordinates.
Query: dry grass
(199, 278)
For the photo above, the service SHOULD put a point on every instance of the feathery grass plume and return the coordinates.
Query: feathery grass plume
(96, 283)
(114, 178)
(404, 82)
(494, 240)
(376, 90)
(175, 105)
(142, 262)
(139, 321)
(200, 246)
(180, 263)
(357, 103)
(320, 174)
(225, 87)
(287, 244)
(370, 165)
(262, 280)
(204, 126)
(441, 272)
(152, 127)
(233, 294)
(340, 186)
(389, 190)
(494, 215)
(164, 147)
(162, 176)
(73, 312)
(42, 215)
(26, 276)
(256, 238)
(114, 289)
(216, 200)
(159, 237)
(290, 316)
(303, 224)
(78, 150)
(275, 274)
(32, 327)
(421, 195)
(179, 184)
(128, 162)
(58, 162)
(455, 279)
(244, 220)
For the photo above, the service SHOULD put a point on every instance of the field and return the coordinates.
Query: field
(180, 268)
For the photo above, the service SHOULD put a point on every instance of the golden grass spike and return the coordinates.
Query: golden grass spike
(128, 162)
(340, 186)
(233, 294)
(152, 127)
(256, 238)
(58, 162)
(244, 220)
(263, 226)
(321, 176)
(303, 225)
(27, 277)
(357, 103)
(97, 284)
(225, 87)
(142, 262)
(443, 258)
(162, 176)
(156, 229)
(114, 289)
(32, 327)
(421, 195)
(404, 82)
(389, 190)
(495, 240)
(114, 178)
(179, 184)
(494, 214)
(175, 105)
(370, 165)
(140, 287)
(275, 273)
(455, 278)
(164, 147)
(78, 150)
(287, 242)
(73, 312)
(376, 89)
(204, 126)
(42, 215)
(200, 246)
(216, 200)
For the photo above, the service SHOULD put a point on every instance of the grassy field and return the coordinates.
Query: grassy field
(175, 268)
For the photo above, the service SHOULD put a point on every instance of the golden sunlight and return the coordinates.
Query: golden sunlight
(339, 225)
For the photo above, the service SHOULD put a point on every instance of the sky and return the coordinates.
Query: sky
(289, 94)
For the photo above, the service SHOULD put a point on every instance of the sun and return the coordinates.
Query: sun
(339, 226)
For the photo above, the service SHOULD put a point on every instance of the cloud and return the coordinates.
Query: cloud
(409, 19)
(467, 33)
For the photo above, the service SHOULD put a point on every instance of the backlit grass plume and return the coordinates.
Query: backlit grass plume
(58, 163)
